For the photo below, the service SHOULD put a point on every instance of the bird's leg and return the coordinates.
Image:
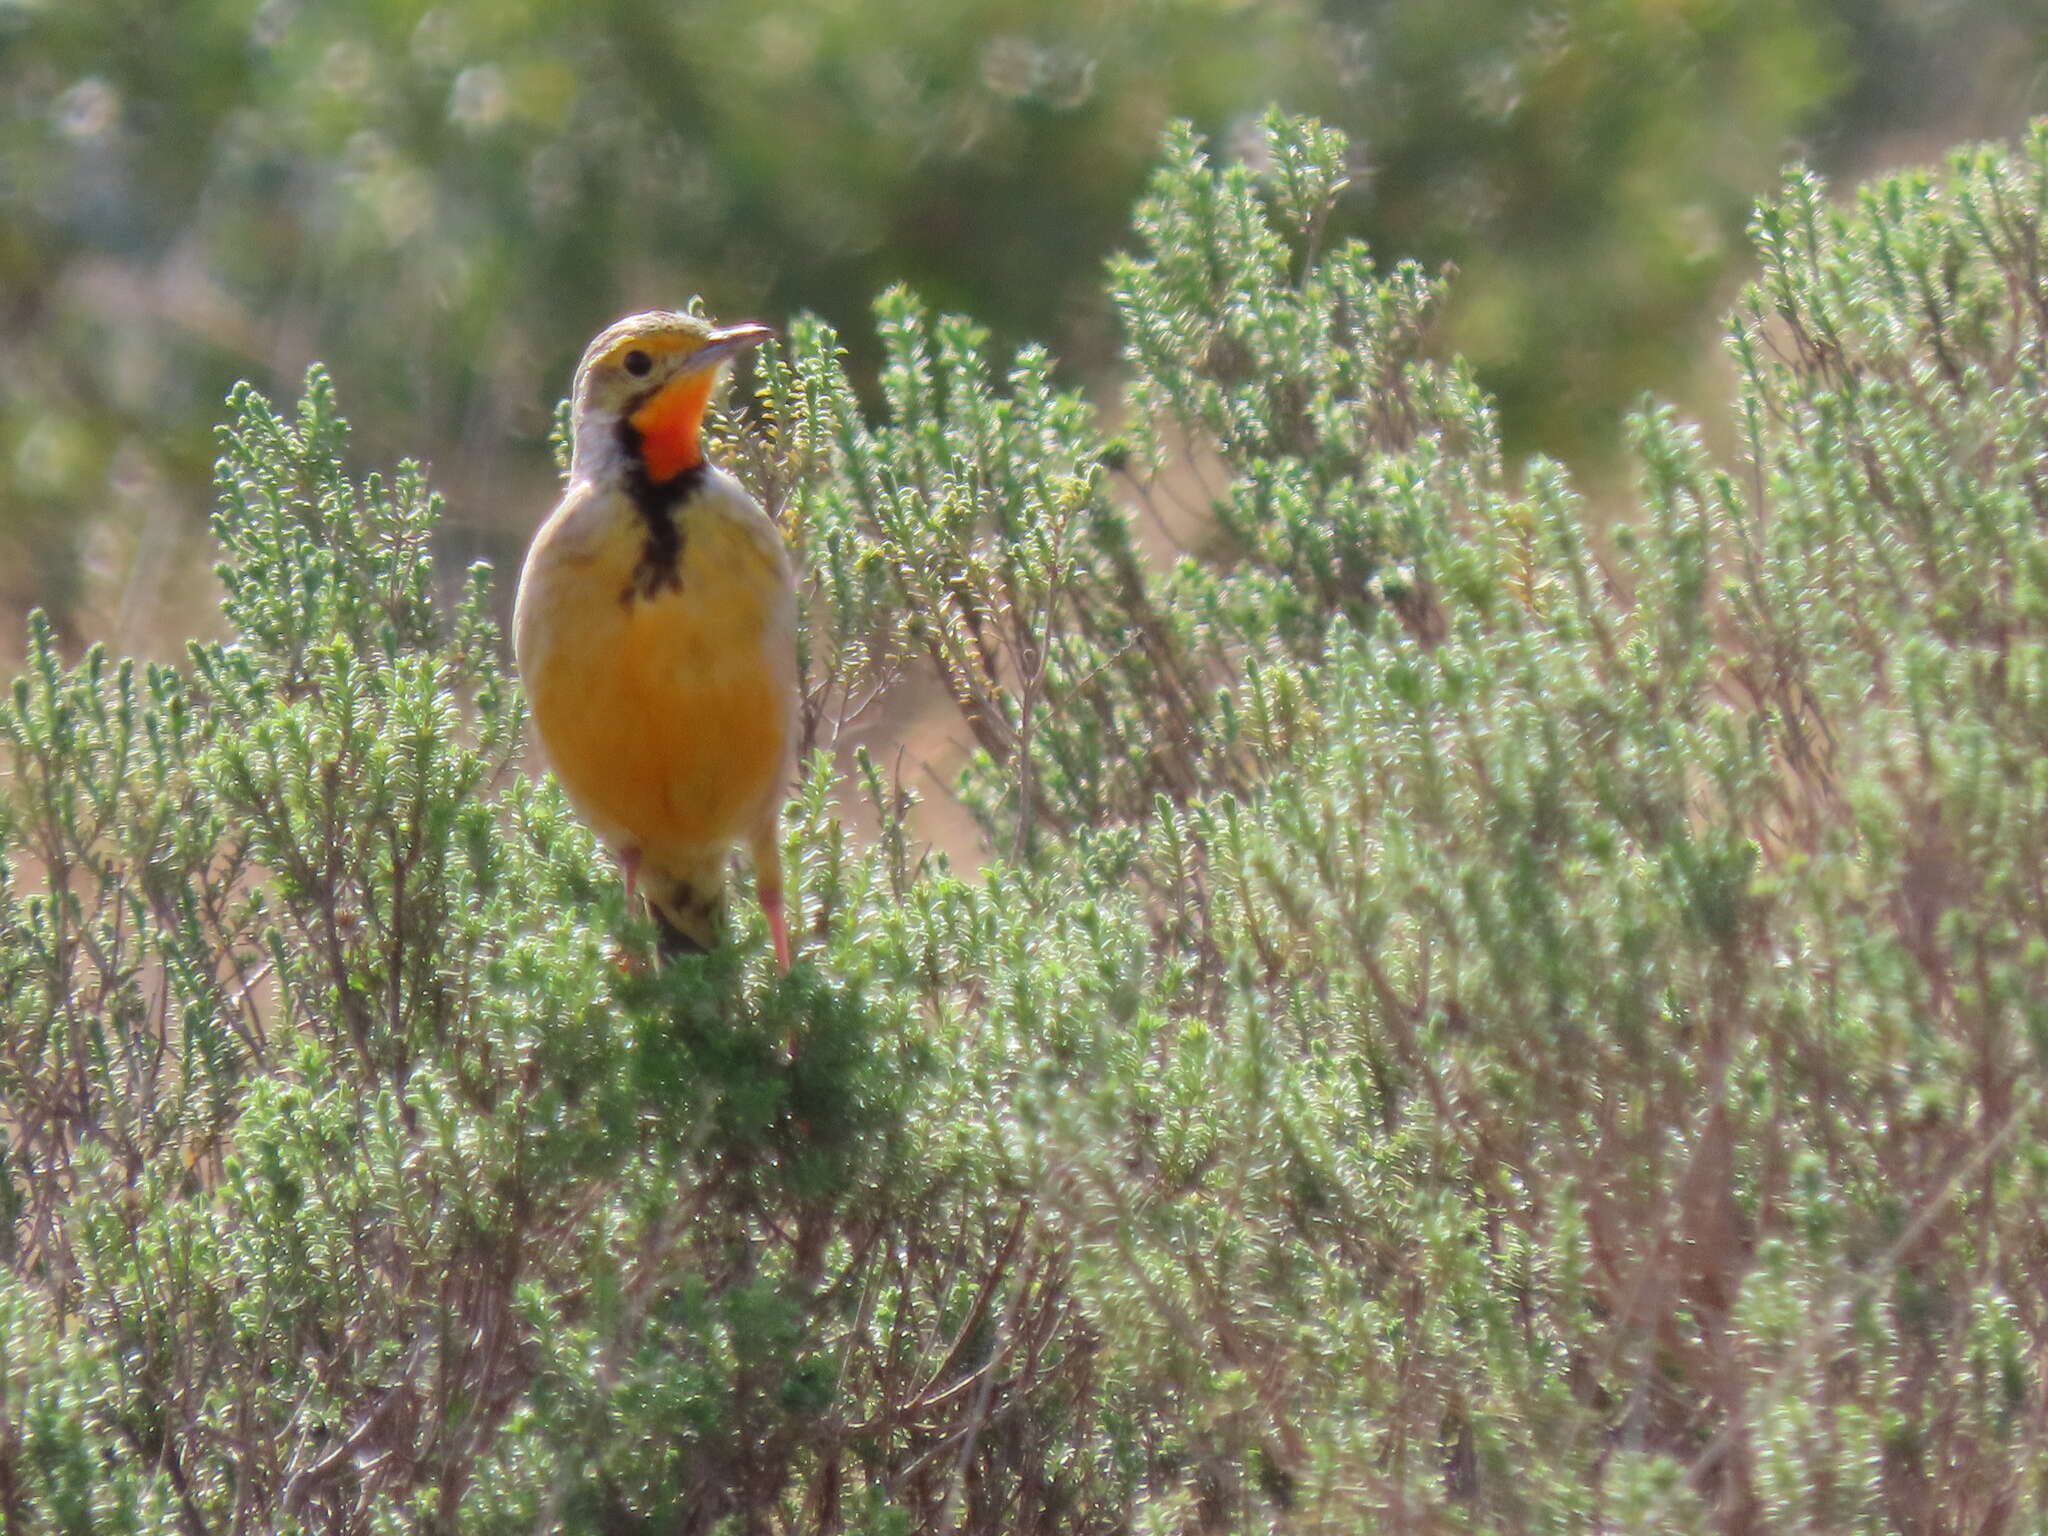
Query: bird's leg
(778, 924)
(629, 866)
(768, 887)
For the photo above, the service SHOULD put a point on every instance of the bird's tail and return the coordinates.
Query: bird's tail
(688, 909)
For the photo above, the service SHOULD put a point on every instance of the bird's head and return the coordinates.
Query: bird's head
(642, 387)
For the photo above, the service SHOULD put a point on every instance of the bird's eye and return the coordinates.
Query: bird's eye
(637, 363)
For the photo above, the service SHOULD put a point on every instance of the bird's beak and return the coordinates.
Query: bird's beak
(728, 343)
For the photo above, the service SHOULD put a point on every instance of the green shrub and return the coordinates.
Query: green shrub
(1457, 1028)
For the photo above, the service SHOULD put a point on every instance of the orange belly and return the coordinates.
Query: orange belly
(667, 719)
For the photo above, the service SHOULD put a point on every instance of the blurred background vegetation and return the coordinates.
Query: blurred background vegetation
(442, 201)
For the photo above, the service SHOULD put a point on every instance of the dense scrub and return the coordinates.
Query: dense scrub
(1459, 1027)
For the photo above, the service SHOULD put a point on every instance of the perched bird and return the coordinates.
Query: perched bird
(656, 632)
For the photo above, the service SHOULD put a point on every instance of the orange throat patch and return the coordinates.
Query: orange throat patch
(670, 423)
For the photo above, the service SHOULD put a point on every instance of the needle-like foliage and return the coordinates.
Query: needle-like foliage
(1459, 1022)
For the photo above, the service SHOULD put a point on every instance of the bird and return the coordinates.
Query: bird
(655, 633)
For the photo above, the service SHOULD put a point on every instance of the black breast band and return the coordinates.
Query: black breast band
(657, 502)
